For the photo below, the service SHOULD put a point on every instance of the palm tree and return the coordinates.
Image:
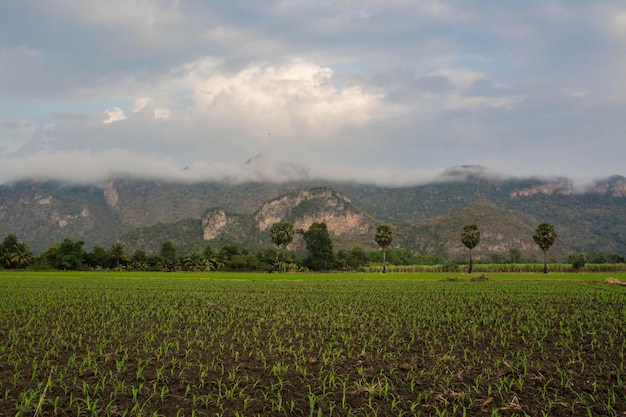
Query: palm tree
(117, 254)
(208, 260)
(5, 257)
(384, 237)
(545, 236)
(281, 234)
(21, 255)
(470, 238)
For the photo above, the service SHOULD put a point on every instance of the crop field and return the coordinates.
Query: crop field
(311, 345)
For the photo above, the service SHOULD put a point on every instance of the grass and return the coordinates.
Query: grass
(421, 276)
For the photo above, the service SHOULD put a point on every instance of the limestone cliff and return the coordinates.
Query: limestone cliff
(307, 206)
(214, 221)
(613, 187)
(560, 187)
(301, 208)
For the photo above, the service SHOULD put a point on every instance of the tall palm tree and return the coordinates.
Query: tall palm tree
(545, 236)
(470, 238)
(384, 237)
(281, 234)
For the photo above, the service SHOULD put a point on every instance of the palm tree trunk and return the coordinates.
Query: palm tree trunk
(384, 261)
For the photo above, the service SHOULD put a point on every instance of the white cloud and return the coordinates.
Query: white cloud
(140, 103)
(148, 104)
(162, 113)
(295, 99)
(114, 115)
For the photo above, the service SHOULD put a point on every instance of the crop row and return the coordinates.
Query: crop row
(312, 347)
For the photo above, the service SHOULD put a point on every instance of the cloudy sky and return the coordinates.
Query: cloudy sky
(391, 91)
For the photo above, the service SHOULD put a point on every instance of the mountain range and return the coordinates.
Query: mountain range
(426, 218)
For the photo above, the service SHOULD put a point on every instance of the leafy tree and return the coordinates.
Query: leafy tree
(227, 254)
(281, 234)
(320, 247)
(356, 257)
(96, 258)
(578, 261)
(67, 255)
(228, 251)
(470, 238)
(600, 258)
(5, 257)
(168, 256)
(154, 263)
(498, 258)
(13, 253)
(7, 249)
(139, 260)
(384, 237)
(515, 256)
(545, 236)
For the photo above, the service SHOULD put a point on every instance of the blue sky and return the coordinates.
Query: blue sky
(391, 92)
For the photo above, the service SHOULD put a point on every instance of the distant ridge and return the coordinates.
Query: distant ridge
(427, 218)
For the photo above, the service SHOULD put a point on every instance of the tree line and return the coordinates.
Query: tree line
(319, 256)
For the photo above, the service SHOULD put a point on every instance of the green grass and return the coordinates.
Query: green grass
(419, 276)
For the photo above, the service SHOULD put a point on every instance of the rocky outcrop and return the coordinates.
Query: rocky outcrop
(214, 221)
(304, 207)
(301, 208)
(614, 187)
(110, 194)
(563, 187)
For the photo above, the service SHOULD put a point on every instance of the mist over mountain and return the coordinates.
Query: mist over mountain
(427, 217)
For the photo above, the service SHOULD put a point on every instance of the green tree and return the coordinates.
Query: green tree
(545, 236)
(67, 255)
(139, 260)
(21, 256)
(118, 255)
(384, 237)
(578, 261)
(208, 258)
(600, 258)
(281, 234)
(97, 258)
(320, 247)
(515, 256)
(193, 262)
(470, 238)
(356, 257)
(7, 249)
(5, 257)
(168, 256)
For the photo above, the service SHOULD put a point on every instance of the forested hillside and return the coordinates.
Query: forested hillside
(427, 218)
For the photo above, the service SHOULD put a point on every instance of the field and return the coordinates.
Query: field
(311, 345)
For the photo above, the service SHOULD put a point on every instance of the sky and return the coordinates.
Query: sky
(387, 92)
